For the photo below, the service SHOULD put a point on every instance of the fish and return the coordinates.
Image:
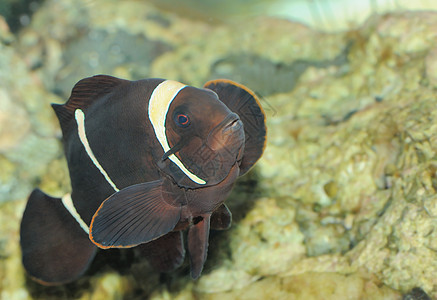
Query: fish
(149, 160)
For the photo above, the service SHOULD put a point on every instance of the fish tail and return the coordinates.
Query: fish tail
(55, 249)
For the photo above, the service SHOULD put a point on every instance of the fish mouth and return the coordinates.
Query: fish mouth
(233, 125)
(228, 133)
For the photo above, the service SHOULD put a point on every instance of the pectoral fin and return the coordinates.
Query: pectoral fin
(221, 218)
(134, 215)
(165, 253)
(198, 236)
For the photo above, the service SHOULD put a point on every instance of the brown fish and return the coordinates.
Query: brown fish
(147, 160)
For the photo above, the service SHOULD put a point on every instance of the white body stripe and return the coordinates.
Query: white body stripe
(66, 200)
(68, 203)
(159, 105)
(80, 119)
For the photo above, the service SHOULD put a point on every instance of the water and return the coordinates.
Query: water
(346, 182)
(329, 15)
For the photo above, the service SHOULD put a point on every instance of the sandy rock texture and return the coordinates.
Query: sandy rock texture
(343, 203)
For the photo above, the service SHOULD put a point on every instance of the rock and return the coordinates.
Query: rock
(431, 67)
(342, 204)
(17, 13)
(27, 125)
(14, 122)
(5, 35)
(416, 293)
(310, 286)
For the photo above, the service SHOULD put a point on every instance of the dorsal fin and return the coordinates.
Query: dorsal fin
(89, 89)
(83, 94)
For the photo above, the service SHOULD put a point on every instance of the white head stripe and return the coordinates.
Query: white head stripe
(80, 120)
(159, 105)
(68, 204)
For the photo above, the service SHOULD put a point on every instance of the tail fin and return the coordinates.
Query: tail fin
(54, 247)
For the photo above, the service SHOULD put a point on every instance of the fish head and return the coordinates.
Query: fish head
(204, 135)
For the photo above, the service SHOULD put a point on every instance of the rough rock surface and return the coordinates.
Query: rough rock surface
(343, 203)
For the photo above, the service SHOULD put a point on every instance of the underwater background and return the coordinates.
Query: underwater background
(343, 203)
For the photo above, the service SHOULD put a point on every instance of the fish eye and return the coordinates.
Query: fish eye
(182, 120)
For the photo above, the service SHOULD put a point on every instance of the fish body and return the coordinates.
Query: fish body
(147, 159)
